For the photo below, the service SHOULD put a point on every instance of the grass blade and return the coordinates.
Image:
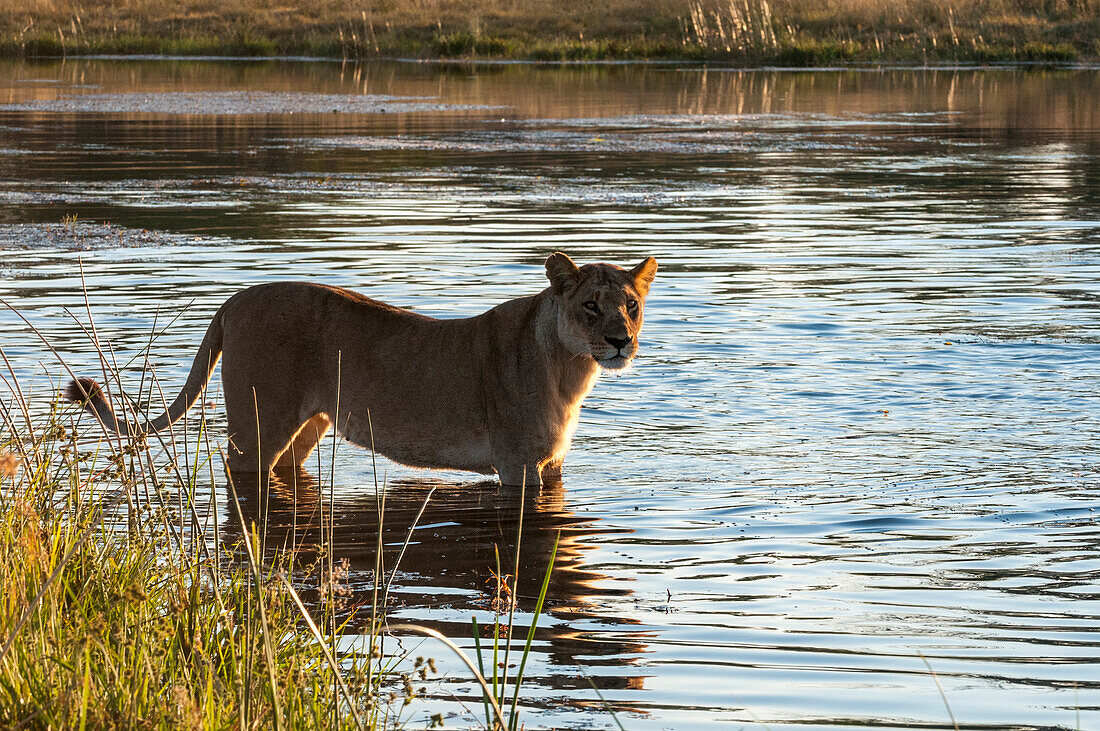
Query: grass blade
(512, 718)
(481, 666)
(323, 645)
(498, 716)
(258, 583)
(940, 689)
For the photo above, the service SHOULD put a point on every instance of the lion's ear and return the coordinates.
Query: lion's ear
(643, 275)
(561, 271)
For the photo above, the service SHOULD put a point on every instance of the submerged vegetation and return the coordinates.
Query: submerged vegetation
(783, 32)
(128, 604)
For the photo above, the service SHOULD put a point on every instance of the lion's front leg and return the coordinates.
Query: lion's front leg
(551, 473)
(514, 473)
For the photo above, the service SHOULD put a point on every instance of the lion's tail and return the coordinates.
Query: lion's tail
(87, 392)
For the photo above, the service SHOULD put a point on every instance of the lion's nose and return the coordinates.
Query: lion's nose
(619, 343)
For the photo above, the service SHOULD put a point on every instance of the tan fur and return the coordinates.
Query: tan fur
(499, 392)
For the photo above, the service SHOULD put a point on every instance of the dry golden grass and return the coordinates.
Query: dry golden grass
(784, 31)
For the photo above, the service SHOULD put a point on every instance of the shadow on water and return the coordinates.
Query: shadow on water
(447, 572)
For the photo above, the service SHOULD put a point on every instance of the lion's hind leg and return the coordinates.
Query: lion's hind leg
(304, 442)
(258, 444)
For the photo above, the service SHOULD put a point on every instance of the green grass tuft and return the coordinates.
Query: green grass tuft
(816, 53)
(112, 617)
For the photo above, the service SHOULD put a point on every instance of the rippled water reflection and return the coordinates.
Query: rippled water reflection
(862, 425)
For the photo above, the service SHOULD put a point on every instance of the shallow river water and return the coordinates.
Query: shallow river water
(863, 424)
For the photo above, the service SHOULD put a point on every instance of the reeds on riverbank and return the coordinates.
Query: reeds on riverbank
(784, 32)
(117, 612)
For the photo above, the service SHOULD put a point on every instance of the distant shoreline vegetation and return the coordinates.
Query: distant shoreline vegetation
(793, 33)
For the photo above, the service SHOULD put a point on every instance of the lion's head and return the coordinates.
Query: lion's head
(600, 307)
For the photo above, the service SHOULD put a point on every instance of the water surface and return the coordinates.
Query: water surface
(862, 425)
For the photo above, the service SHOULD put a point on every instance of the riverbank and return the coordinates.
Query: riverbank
(747, 32)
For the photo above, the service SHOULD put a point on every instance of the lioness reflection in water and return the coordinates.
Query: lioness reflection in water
(447, 569)
(496, 393)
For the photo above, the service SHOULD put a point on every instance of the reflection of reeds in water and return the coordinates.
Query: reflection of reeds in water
(126, 603)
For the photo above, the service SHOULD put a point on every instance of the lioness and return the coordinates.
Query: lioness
(499, 392)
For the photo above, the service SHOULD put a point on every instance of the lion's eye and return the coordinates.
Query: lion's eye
(591, 306)
(631, 304)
